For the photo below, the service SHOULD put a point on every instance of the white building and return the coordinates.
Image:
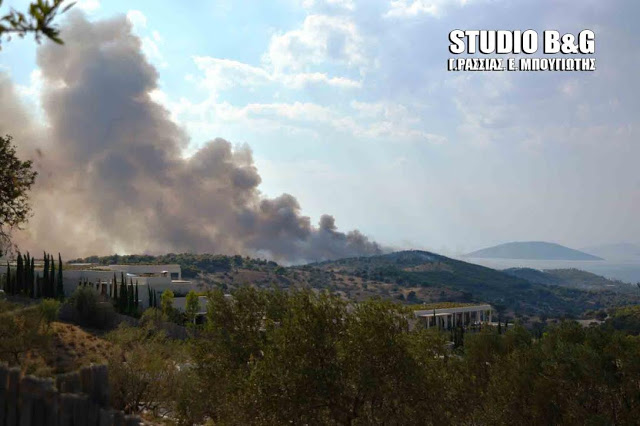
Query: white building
(157, 278)
(450, 317)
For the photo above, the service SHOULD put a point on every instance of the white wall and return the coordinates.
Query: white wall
(147, 269)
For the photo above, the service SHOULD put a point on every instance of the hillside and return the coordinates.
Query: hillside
(533, 250)
(429, 273)
(572, 278)
(409, 277)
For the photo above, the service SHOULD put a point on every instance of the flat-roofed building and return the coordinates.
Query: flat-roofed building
(172, 270)
(453, 316)
(148, 278)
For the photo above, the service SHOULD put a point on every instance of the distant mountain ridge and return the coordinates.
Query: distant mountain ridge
(571, 278)
(532, 250)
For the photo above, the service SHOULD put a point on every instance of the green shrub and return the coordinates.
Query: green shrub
(89, 310)
(166, 302)
(49, 309)
(153, 318)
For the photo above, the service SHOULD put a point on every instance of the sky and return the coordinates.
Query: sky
(348, 106)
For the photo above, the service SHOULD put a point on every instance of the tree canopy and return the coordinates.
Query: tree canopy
(38, 20)
(16, 178)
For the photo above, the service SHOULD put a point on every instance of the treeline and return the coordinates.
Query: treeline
(25, 280)
(124, 295)
(299, 357)
(191, 264)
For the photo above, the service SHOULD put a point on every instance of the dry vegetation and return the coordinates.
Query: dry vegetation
(74, 347)
(341, 282)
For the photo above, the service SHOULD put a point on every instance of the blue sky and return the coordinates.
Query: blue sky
(348, 106)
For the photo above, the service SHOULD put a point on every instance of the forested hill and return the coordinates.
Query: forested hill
(409, 277)
(425, 272)
(573, 278)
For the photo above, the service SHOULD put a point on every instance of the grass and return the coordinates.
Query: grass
(74, 347)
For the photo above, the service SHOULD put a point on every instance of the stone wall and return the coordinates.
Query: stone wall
(73, 399)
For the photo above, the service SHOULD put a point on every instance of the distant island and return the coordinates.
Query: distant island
(533, 250)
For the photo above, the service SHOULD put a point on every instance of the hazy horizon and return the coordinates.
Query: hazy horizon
(160, 129)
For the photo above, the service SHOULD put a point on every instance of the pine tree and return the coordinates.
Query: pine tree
(60, 288)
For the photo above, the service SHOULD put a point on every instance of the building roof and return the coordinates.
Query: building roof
(452, 310)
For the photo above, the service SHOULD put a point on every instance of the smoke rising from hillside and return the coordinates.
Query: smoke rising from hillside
(112, 178)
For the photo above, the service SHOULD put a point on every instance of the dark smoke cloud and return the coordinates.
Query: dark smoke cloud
(112, 175)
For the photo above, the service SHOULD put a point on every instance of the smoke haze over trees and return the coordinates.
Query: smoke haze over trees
(113, 175)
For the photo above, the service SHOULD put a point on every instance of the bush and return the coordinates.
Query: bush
(153, 318)
(22, 339)
(626, 319)
(149, 376)
(49, 309)
(89, 310)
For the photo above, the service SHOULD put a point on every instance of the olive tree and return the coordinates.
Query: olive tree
(16, 179)
(38, 20)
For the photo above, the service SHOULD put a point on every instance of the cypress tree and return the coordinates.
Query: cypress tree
(52, 279)
(19, 273)
(8, 288)
(131, 296)
(60, 288)
(137, 301)
(150, 300)
(27, 271)
(45, 276)
(26, 264)
(128, 306)
(122, 299)
(113, 287)
(23, 284)
(32, 277)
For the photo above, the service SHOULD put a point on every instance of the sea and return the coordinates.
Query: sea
(626, 270)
